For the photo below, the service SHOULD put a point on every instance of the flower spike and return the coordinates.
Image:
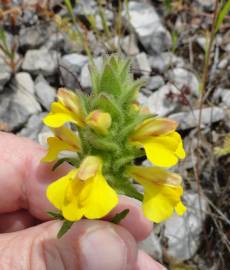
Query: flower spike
(108, 130)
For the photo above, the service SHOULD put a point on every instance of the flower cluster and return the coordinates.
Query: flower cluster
(107, 132)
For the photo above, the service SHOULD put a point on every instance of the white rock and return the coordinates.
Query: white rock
(70, 67)
(18, 103)
(224, 63)
(45, 93)
(207, 4)
(222, 95)
(142, 99)
(128, 44)
(33, 127)
(33, 37)
(74, 60)
(182, 77)
(155, 82)
(5, 74)
(183, 233)
(152, 246)
(161, 62)
(188, 120)
(24, 95)
(85, 74)
(41, 61)
(148, 26)
(158, 102)
(142, 63)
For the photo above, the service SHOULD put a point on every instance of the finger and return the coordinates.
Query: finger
(16, 221)
(24, 179)
(89, 245)
(143, 226)
(145, 262)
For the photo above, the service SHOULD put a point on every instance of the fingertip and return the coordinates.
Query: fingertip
(145, 262)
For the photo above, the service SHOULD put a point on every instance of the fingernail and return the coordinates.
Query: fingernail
(103, 249)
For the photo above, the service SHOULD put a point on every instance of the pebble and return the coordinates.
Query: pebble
(45, 93)
(184, 78)
(189, 120)
(70, 67)
(41, 61)
(159, 104)
(148, 26)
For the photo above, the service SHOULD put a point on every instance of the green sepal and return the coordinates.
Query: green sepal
(119, 216)
(72, 161)
(132, 124)
(107, 103)
(123, 186)
(122, 162)
(64, 228)
(101, 143)
(55, 215)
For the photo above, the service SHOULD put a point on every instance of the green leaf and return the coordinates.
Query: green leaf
(72, 161)
(119, 216)
(222, 13)
(64, 228)
(109, 81)
(70, 9)
(129, 92)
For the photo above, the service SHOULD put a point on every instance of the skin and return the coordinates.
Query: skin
(28, 236)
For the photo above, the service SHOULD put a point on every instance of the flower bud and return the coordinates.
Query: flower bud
(99, 121)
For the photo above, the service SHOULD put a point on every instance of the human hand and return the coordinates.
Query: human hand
(28, 237)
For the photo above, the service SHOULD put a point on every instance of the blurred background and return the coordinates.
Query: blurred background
(182, 49)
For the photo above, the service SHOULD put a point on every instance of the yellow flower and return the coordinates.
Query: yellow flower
(162, 192)
(67, 109)
(99, 121)
(64, 140)
(162, 144)
(83, 192)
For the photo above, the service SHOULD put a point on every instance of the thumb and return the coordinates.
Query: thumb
(89, 245)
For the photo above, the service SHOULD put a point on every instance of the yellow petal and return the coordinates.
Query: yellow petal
(56, 191)
(60, 115)
(68, 136)
(180, 209)
(155, 175)
(101, 200)
(71, 211)
(164, 151)
(160, 201)
(55, 146)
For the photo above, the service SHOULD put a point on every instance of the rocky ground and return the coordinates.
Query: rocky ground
(43, 46)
